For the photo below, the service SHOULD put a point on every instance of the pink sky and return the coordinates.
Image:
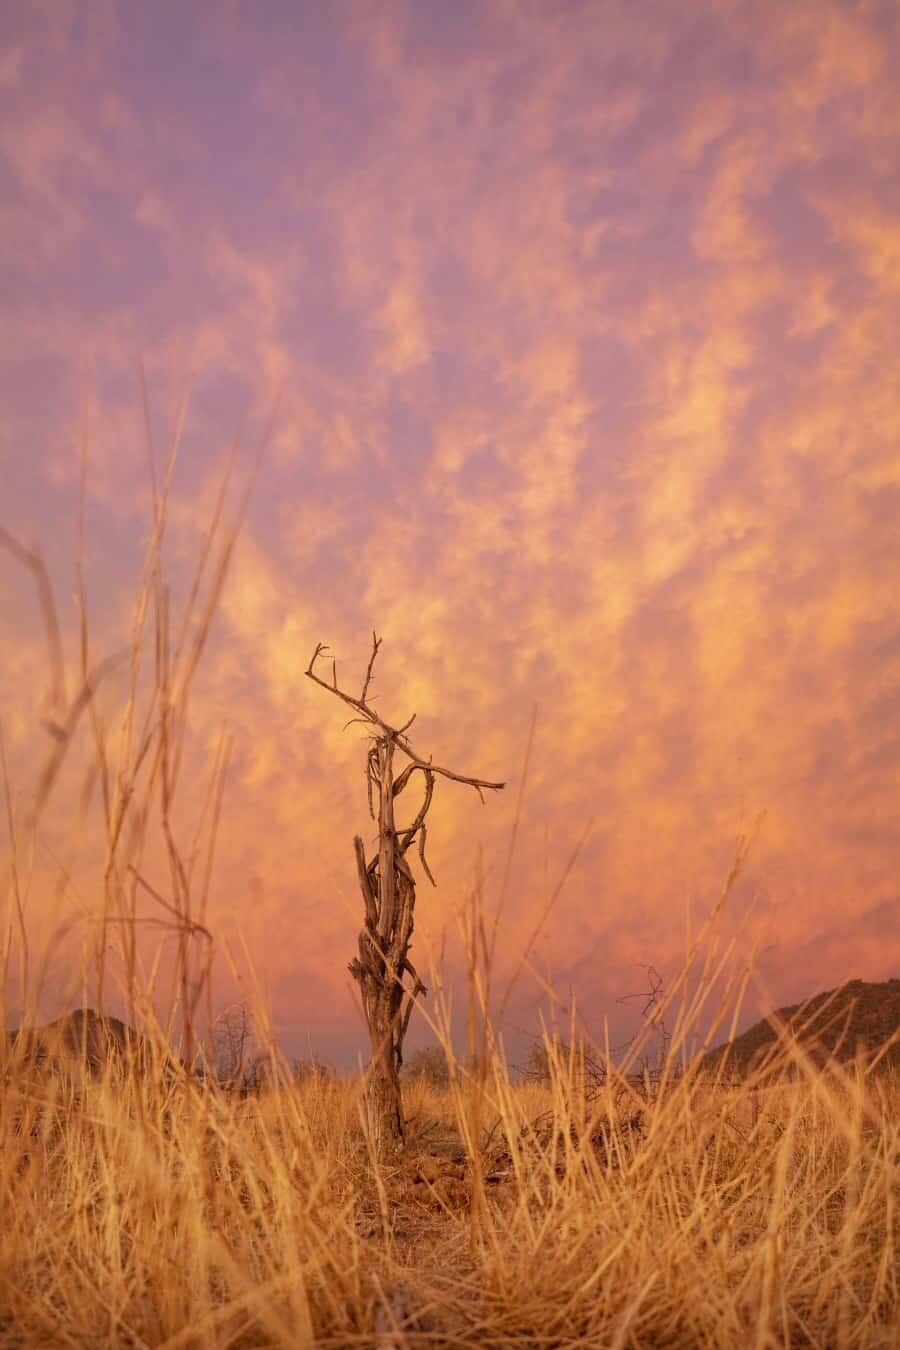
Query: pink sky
(586, 318)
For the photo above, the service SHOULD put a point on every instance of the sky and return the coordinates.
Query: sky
(579, 324)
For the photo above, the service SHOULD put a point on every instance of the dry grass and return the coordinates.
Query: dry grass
(140, 1213)
(144, 1208)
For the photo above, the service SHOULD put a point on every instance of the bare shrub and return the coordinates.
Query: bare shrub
(428, 1063)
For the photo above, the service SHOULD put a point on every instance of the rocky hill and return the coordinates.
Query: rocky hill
(829, 1025)
(83, 1033)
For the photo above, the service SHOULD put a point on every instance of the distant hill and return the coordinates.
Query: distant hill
(84, 1032)
(829, 1025)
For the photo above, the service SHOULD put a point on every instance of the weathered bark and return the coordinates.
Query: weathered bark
(384, 1104)
(383, 960)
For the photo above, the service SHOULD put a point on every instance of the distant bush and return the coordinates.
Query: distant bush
(313, 1070)
(429, 1063)
(536, 1068)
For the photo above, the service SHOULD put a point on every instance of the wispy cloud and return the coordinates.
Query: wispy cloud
(585, 323)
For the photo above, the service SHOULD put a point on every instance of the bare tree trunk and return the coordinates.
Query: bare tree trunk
(384, 1104)
(383, 1089)
(383, 960)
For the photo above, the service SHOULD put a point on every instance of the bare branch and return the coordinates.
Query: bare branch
(417, 983)
(365, 883)
(417, 989)
(400, 783)
(376, 643)
(395, 733)
(369, 786)
(410, 833)
(422, 854)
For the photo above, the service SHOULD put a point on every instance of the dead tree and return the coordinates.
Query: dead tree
(389, 897)
(234, 1055)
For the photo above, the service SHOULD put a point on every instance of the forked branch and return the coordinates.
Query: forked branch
(397, 734)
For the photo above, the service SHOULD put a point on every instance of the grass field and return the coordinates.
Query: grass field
(148, 1208)
(143, 1211)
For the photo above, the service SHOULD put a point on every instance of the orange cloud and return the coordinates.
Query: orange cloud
(585, 335)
